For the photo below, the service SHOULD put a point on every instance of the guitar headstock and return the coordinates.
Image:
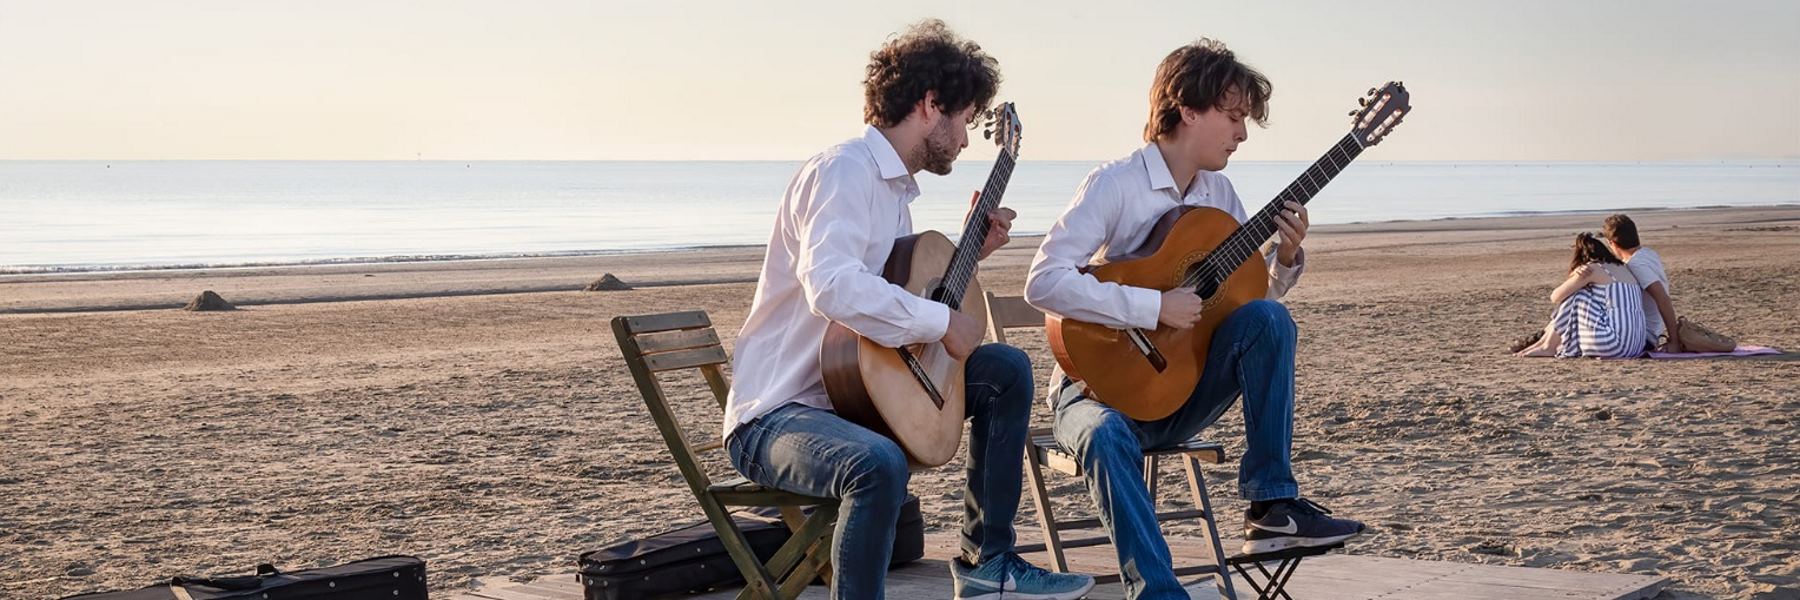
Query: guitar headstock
(1003, 127)
(1382, 109)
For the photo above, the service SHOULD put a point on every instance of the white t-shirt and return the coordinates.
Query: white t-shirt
(1647, 266)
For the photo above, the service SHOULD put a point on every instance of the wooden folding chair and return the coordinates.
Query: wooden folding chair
(1011, 312)
(660, 343)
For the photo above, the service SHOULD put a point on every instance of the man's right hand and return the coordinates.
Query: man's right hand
(1674, 332)
(1180, 308)
(962, 336)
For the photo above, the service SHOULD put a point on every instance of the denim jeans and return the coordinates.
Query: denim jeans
(812, 451)
(1252, 352)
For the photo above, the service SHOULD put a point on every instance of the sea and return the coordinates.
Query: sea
(74, 216)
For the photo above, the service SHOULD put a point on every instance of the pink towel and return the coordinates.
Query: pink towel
(1741, 350)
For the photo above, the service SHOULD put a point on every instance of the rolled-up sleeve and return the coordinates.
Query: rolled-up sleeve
(1282, 278)
(837, 228)
(1055, 283)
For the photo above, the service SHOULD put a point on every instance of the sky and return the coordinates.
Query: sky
(731, 80)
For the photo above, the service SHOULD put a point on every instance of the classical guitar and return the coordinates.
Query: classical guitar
(1149, 374)
(914, 395)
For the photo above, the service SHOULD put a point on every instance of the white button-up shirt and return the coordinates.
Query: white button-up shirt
(833, 233)
(1113, 212)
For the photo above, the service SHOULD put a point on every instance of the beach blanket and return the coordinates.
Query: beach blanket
(1741, 350)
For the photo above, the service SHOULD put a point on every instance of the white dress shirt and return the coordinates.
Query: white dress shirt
(833, 233)
(1113, 212)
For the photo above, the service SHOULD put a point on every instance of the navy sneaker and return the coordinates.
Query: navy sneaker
(1008, 577)
(1295, 523)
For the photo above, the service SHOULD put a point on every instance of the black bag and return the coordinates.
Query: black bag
(692, 559)
(383, 578)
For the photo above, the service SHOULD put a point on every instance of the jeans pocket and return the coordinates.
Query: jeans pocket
(743, 448)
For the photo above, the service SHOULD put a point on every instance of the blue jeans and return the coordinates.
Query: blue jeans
(811, 451)
(1252, 352)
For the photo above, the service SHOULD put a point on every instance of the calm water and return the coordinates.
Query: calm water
(79, 215)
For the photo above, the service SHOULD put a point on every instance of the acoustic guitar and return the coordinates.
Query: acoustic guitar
(914, 395)
(1149, 374)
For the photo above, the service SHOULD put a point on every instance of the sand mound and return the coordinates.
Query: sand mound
(607, 283)
(208, 300)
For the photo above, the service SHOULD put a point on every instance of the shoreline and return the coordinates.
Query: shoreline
(113, 291)
(15, 273)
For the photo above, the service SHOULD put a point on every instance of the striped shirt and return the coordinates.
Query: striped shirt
(1602, 321)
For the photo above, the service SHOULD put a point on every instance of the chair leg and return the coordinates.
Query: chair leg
(1150, 479)
(1040, 495)
(800, 547)
(758, 582)
(813, 565)
(794, 518)
(1197, 486)
(1274, 584)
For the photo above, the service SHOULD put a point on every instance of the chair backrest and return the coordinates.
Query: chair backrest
(654, 344)
(1010, 312)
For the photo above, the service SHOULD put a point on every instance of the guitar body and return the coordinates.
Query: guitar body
(872, 386)
(1118, 375)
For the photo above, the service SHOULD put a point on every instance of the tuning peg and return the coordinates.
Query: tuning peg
(1362, 101)
(1353, 113)
(1371, 91)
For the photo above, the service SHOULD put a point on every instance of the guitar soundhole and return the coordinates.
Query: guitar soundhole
(1207, 287)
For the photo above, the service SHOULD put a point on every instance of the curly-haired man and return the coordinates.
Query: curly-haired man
(836, 226)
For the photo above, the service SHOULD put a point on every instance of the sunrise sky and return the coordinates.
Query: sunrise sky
(679, 80)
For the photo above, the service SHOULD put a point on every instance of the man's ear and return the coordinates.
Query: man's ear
(928, 109)
(1189, 115)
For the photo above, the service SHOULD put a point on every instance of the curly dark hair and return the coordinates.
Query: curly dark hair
(1589, 249)
(927, 57)
(1200, 76)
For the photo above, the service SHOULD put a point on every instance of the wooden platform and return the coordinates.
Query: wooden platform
(1330, 577)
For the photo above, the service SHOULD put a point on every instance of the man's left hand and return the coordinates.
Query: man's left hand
(1292, 221)
(999, 223)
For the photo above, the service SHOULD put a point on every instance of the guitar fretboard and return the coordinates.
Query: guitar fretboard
(1249, 238)
(968, 249)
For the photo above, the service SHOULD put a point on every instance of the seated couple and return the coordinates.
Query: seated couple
(1614, 304)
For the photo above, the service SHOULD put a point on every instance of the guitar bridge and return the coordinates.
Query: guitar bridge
(924, 379)
(1144, 347)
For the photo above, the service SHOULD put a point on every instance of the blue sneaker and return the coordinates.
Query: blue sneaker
(1009, 577)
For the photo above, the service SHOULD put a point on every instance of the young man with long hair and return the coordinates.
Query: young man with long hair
(1199, 101)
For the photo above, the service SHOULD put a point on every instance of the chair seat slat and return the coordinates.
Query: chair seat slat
(1012, 312)
(642, 324)
(681, 339)
(685, 359)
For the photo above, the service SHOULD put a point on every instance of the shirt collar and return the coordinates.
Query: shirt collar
(1157, 168)
(886, 158)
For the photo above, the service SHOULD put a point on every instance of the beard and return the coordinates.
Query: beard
(940, 149)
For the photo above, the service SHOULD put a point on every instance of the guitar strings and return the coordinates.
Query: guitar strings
(962, 267)
(1243, 242)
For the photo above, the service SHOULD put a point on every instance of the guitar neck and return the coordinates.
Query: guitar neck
(968, 249)
(1249, 238)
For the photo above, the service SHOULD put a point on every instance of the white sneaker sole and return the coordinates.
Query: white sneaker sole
(1074, 595)
(1283, 543)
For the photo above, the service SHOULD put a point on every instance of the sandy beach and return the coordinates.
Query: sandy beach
(477, 413)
